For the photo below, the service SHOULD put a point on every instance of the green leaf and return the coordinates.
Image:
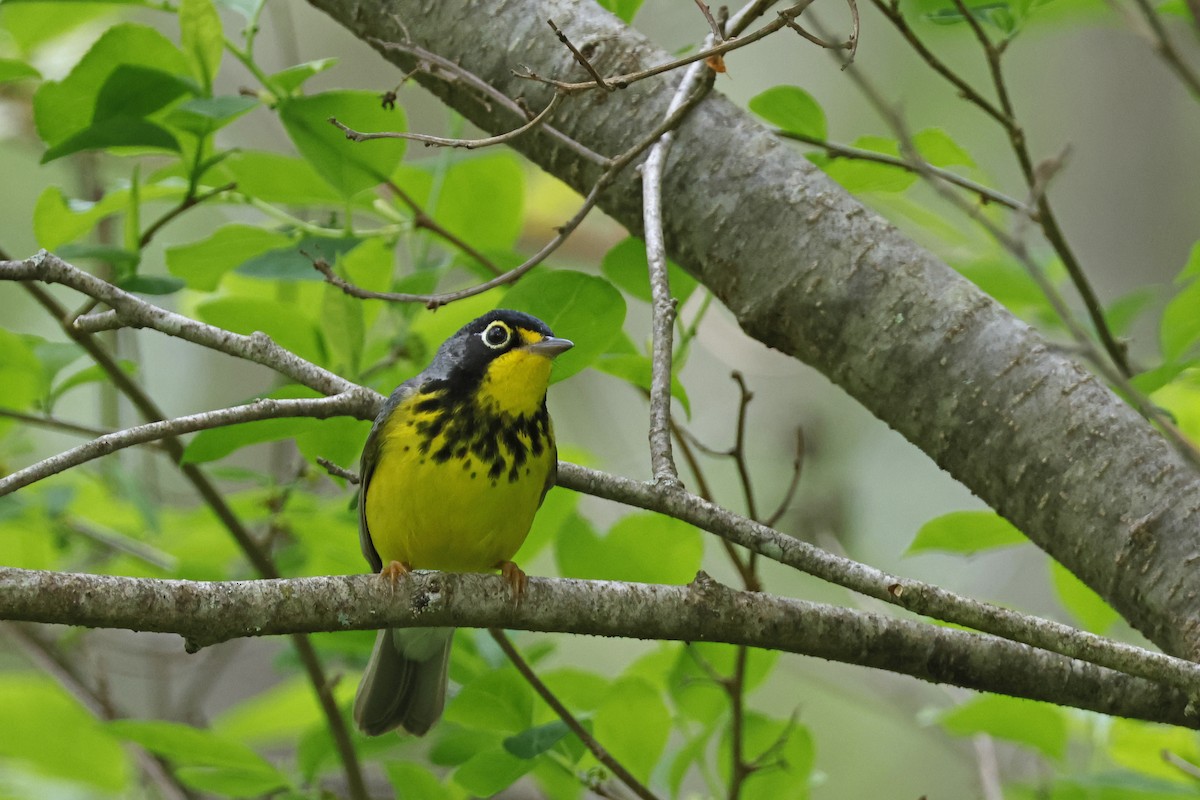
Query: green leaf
(533, 742)
(202, 264)
(498, 701)
(641, 547)
(278, 178)
(233, 781)
(414, 782)
(455, 744)
(626, 266)
(583, 308)
(491, 771)
(203, 115)
(344, 330)
(48, 732)
(349, 167)
(633, 724)
(693, 751)
(1087, 607)
(292, 78)
(1139, 746)
(792, 109)
(272, 716)
(247, 8)
(282, 321)
(1027, 722)
(151, 284)
(202, 39)
(856, 175)
(1180, 326)
(21, 373)
(1191, 269)
(92, 374)
(482, 199)
(114, 132)
(1181, 398)
(64, 108)
(12, 69)
(965, 533)
(1123, 312)
(58, 220)
(188, 746)
(1006, 281)
(292, 262)
(624, 9)
(936, 147)
(787, 753)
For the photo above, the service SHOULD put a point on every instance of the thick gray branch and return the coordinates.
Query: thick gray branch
(808, 270)
(207, 613)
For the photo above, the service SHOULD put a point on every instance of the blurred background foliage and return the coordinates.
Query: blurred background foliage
(180, 151)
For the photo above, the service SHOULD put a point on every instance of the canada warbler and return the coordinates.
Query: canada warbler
(454, 469)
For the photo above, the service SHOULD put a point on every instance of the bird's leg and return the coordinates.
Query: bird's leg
(515, 577)
(393, 571)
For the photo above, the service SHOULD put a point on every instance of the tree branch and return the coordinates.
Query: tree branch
(207, 613)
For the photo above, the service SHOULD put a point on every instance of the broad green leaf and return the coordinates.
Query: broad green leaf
(203, 115)
(53, 356)
(792, 109)
(293, 262)
(132, 91)
(281, 321)
(1007, 282)
(624, 9)
(50, 733)
(556, 509)
(64, 108)
(414, 782)
(481, 200)
(202, 39)
(1087, 607)
(1138, 746)
(272, 716)
(641, 547)
(25, 542)
(583, 308)
(936, 147)
(491, 771)
(342, 316)
(577, 688)
(201, 264)
(1123, 312)
(965, 533)
(1038, 725)
(788, 756)
(498, 701)
(532, 742)
(92, 374)
(151, 284)
(185, 745)
(58, 219)
(1180, 326)
(857, 175)
(12, 69)
(233, 781)
(1181, 397)
(21, 373)
(694, 751)
(118, 131)
(1192, 268)
(633, 724)
(626, 266)
(455, 744)
(338, 439)
(292, 78)
(349, 167)
(277, 178)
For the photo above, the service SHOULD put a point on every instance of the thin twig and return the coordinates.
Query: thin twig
(422, 220)
(579, 57)
(337, 471)
(119, 543)
(717, 34)
(442, 141)
(986, 194)
(790, 494)
(468, 78)
(187, 202)
(602, 755)
(265, 408)
(54, 423)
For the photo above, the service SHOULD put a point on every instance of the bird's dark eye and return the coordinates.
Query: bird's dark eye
(497, 335)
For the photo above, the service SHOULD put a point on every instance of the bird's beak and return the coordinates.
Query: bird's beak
(550, 347)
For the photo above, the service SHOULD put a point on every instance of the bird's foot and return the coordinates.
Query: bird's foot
(517, 581)
(394, 571)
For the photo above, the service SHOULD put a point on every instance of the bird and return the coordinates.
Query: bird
(455, 467)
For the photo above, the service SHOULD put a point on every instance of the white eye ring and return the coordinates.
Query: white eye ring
(494, 341)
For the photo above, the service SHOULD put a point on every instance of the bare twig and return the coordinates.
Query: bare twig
(54, 423)
(570, 720)
(579, 57)
(423, 220)
(1182, 764)
(349, 403)
(797, 469)
(442, 141)
(1166, 49)
(340, 472)
(187, 202)
(717, 34)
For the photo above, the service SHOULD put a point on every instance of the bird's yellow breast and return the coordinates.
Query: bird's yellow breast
(456, 484)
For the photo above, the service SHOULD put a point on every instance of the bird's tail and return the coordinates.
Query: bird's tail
(405, 682)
